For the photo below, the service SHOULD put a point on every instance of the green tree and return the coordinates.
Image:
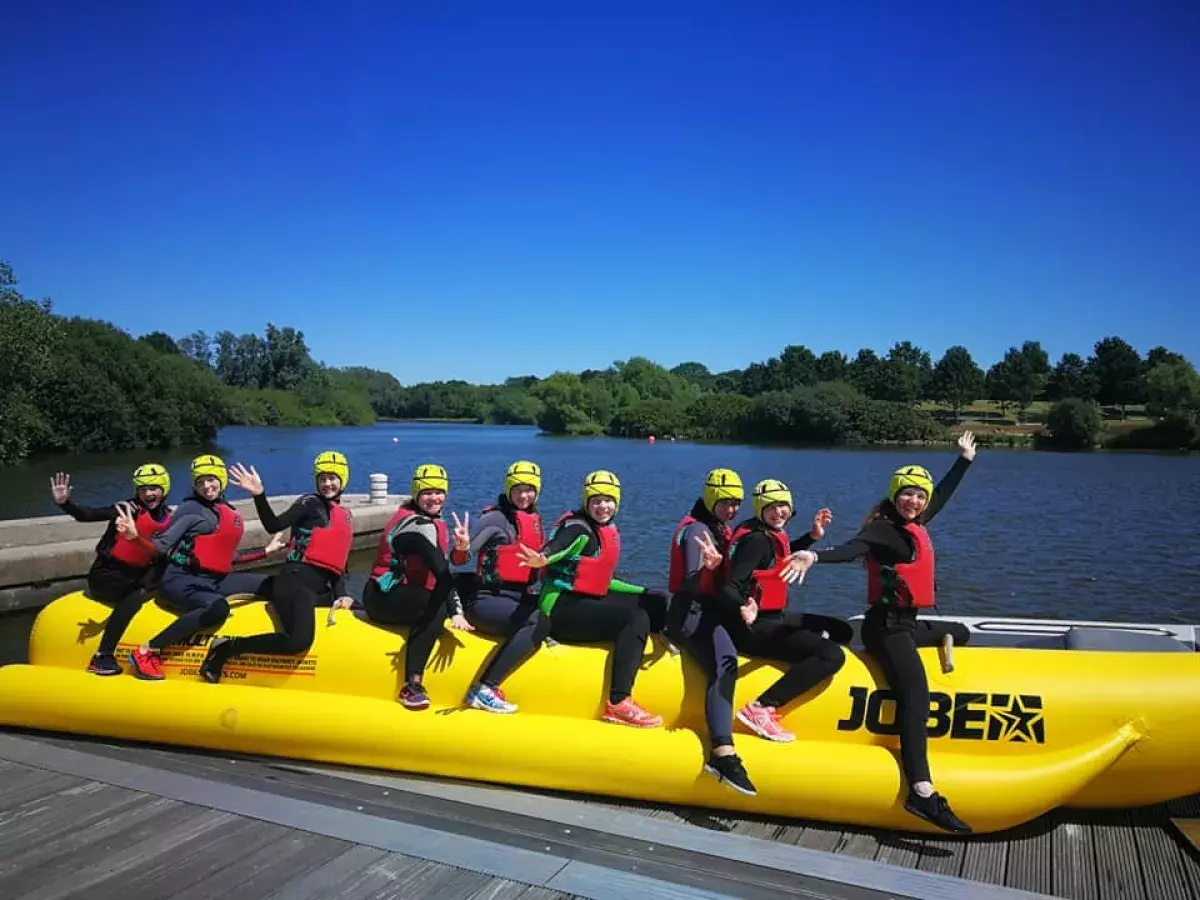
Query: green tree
(1173, 397)
(1072, 377)
(907, 372)
(1018, 378)
(1074, 423)
(957, 381)
(1119, 373)
(30, 345)
(832, 365)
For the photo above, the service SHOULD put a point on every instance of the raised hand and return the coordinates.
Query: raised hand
(710, 556)
(462, 533)
(530, 557)
(60, 487)
(820, 522)
(966, 445)
(246, 479)
(126, 521)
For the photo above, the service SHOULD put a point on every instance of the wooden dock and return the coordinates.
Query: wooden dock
(98, 818)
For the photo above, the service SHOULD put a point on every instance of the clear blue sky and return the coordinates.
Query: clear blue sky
(415, 184)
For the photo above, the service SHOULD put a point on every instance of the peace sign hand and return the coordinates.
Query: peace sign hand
(710, 556)
(820, 521)
(246, 479)
(462, 532)
(531, 558)
(60, 487)
(797, 564)
(125, 521)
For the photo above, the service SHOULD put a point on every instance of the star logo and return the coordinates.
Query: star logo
(1017, 718)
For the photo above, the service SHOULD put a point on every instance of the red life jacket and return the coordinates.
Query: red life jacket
(770, 591)
(710, 579)
(328, 546)
(134, 553)
(415, 571)
(912, 583)
(501, 563)
(593, 574)
(215, 552)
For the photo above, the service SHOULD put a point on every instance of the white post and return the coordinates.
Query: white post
(379, 488)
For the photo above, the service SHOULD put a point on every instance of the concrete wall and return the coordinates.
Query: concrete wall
(45, 557)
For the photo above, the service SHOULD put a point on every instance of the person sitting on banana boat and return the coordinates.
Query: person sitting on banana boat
(586, 603)
(200, 544)
(894, 543)
(124, 573)
(499, 596)
(411, 583)
(753, 597)
(314, 572)
(696, 618)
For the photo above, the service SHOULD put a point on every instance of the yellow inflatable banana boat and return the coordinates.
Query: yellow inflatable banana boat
(1013, 732)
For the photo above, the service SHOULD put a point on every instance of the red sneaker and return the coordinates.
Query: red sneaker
(764, 721)
(147, 664)
(629, 713)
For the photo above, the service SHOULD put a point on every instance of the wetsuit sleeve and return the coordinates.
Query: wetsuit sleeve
(802, 543)
(945, 488)
(750, 553)
(189, 518)
(880, 539)
(414, 542)
(301, 512)
(89, 513)
(487, 528)
(564, 538)
(337, 587)
(617, 586)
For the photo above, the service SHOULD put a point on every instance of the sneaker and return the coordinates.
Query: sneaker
(485, 697)
(629, 713)
(935, 810)
(413, 696)
(146, 664)
(764, 721)
(729, 770)
(104, 664)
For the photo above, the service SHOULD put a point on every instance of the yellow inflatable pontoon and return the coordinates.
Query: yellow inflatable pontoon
(1013, 732)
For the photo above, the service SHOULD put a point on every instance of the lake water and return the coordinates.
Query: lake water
(1108, 536)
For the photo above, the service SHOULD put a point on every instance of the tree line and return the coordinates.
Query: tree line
(80, 384)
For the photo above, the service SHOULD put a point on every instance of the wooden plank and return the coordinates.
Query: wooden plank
(32, 785)
(1029, 853)
(193, 863)
(259, 873)
(1118, 873)
(36, 823)
(859, 843)
(943, 856)
(1162, 867)
(108, 861)
(374, 881)
(321, 883)
(63, 850)
(427, 879)
(985, 859)
(1190, 829)
(512, 890)
(820, 837)
(899, 849)
(1073, 863)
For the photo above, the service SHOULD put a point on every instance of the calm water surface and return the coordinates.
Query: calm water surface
(1109, 536)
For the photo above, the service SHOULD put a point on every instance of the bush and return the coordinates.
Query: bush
(1074, 424)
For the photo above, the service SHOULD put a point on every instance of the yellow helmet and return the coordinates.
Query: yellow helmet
(910, 476)
(210, 465)
(429, 477)
(152, 475)
(332, 463)
(522, 472)
(770, 491)
(601, 483)
(722, 484)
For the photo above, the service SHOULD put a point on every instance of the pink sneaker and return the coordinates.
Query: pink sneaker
(629, 713)
(764, 721)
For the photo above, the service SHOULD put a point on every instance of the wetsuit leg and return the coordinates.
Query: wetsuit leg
(201, 597)
(619, 618)
(124, 591)
(242, 583)
(294, 595)
(890, 639)
(423, 611)
(812, 657)
(504, 615)
(930, 634)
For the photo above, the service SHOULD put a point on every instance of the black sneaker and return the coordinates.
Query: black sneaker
(104, 664)
(935, 810)
(729, 770)
(214, 662)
